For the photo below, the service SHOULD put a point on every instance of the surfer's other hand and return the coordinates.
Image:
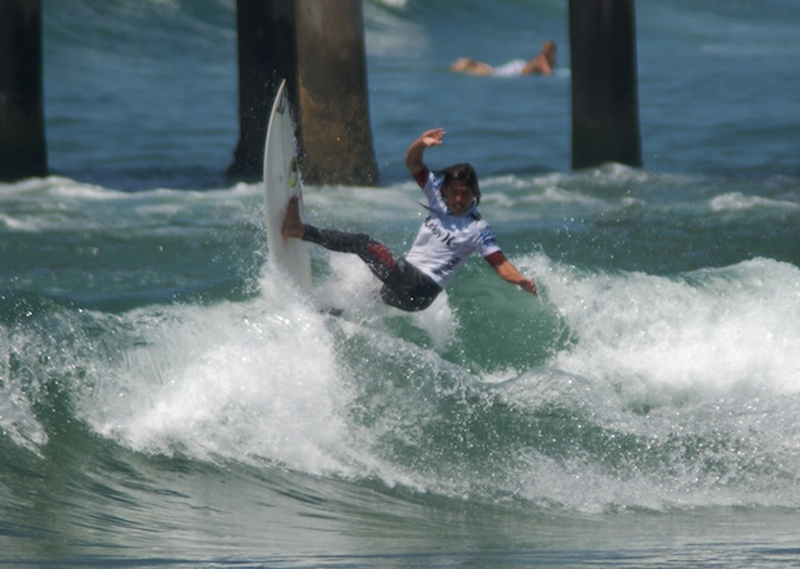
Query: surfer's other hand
(528, 285)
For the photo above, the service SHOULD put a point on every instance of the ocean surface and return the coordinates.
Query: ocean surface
(168, 400)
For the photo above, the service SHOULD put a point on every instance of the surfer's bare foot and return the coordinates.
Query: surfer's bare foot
(292, 226)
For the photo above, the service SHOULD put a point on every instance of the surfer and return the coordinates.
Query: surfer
(452, 231)
(542, 64)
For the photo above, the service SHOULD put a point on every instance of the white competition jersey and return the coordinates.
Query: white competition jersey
(445, 240)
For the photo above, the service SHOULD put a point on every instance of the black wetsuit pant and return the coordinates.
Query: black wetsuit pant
(404, 286)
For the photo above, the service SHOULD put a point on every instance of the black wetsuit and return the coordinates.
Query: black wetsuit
(404, 286)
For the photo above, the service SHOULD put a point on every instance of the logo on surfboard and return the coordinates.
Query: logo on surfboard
(294, 172)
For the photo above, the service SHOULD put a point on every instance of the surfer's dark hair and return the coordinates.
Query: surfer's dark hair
(465, 174)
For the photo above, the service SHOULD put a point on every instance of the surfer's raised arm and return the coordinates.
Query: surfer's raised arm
(414, 154)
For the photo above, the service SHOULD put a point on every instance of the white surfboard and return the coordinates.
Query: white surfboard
(282, 181)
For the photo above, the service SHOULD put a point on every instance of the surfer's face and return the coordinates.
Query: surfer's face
(458, 197)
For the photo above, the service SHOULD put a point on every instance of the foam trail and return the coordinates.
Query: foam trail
(230, 381)
(716, 331)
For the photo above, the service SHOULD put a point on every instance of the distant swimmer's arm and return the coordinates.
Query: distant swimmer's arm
(414, 154)
(509, 273)
(538, 65)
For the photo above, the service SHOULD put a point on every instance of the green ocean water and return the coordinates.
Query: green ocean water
(167, 399)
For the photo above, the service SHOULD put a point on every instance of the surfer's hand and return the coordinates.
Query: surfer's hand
(509, 273)
(432, 137)
(414, 153)
(528, 285)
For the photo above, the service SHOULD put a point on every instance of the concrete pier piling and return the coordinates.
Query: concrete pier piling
(23, 150)
(332, 87)
(318, 47)
(266, 54)
(605, 106)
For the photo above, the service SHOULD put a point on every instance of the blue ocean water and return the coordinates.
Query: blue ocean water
(166, 400)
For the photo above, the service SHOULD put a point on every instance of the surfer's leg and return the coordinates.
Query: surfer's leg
(404, 286)
(292, 226)
(376, 255)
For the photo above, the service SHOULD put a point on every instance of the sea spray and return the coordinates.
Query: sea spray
(714, 330)
(253, 381)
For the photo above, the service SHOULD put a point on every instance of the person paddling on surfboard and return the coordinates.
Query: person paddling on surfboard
(452, 231)
(542, 64)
